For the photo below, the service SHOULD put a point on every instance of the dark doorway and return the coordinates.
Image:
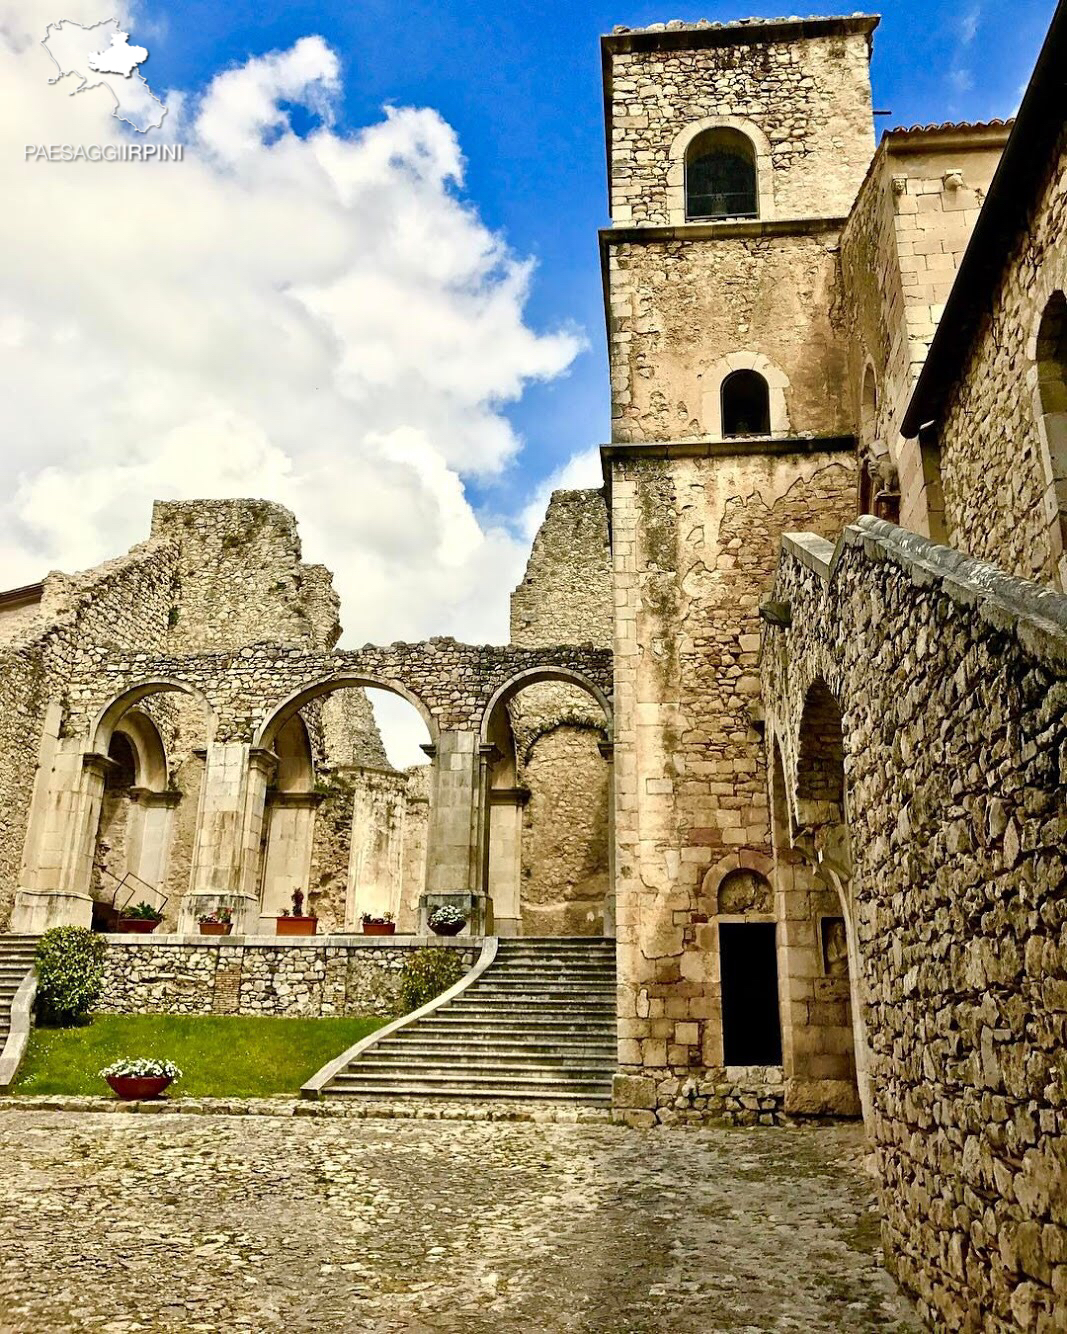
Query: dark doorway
(746, 404)
(748, 960)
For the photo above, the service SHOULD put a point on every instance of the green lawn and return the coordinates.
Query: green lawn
(219, 1056)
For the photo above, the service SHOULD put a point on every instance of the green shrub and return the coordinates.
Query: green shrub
(70, 973)
(426, 974)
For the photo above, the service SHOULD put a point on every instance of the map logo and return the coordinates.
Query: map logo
(100, 56)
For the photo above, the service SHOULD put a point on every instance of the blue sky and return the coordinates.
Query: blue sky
(520, 84)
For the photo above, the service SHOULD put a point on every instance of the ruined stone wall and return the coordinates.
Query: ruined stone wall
(1001, 500)
(566, 593)
(237, 975)
(240, 579)
(684, 310)
(695, 545)
(952, 681)
(808, 95)
(566, 596)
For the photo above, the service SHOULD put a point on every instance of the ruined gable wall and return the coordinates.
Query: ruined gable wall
(953, 685)
(695, 545)
(810, 97)
(680, 308)
(566, 597)
(1000, 501)
(241, 579)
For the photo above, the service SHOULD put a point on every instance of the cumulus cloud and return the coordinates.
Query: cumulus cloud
(320, 320)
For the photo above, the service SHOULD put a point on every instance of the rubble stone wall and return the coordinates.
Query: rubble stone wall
(307, 978)
(1002, 501)
(685, 312)
(809, 95)
(951, 677)
(696, 546)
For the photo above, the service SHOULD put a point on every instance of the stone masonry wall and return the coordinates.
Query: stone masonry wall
(681, 308)
(695, 545)
(311, 979)
(809, 95)
(952, 681)
(1001, 501)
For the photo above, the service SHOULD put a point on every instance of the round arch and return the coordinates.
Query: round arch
(150, 756)
(292, 704)
(679, 149)
(110, 715)
(536, 676)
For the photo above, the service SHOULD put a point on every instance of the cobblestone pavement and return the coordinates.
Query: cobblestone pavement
(115, 1223)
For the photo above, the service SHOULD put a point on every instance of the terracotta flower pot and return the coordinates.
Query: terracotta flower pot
(379, 928)
(296, 926)
(449, 929)
(138, 926)
(136, 1088)
(216, 928)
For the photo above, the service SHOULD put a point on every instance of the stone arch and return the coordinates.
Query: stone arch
(680, 150)
(1047, 376)
(536, 675)
(268, 729)
(776, 380)
(105, 721)
(820, 774)
(546, 843)
(151, 768)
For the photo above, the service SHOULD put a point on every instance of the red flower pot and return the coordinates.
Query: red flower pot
(216, 928)
(451, 929)
(296, 926)
(137, 1088)
(379, 928)
(138, 926)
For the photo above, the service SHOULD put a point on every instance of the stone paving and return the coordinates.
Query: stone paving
(117, 1223)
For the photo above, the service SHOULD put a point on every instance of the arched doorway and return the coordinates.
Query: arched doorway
(345, 820)
(547, 849)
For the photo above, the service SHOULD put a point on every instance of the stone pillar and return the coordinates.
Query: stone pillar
(148, 834)
(607, 750)
(376, 857)
(57, 871)
(228, 850)
(290, 824)
(454, 845)
(505, 858)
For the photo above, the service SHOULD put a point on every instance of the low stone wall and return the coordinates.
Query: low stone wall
(733, 1095)
(310, 978)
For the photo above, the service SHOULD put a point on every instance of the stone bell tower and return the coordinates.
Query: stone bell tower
(735, 153)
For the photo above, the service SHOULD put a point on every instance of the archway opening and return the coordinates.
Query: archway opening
(720, 176)
(347, 807)
(748, 970)
(547, 850)
(746, 404)
(1052, 390)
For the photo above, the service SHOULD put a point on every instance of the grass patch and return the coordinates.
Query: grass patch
(220, 1056)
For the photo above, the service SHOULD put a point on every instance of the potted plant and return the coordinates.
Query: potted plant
(217, 923)
(447, 921)
(141, 1078)
(142, 918)
(378, 926)
(295, 923)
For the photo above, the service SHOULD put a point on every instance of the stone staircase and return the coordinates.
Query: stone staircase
(16, 960)
(539, 1024)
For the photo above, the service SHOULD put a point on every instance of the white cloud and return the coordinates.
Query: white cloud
(580, 471)
(323, 321)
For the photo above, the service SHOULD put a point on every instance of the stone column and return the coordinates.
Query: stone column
(57, 870)
(148, 836)
(505, 857)
(290, 824)
(454, 843)
(229, 835)
(607, 750)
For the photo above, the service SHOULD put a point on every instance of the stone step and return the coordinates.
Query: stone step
(412, 1089)
(487, 990)
(533, 1082)
(415, 1042)
(458, 1024)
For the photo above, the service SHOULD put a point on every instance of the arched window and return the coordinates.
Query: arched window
(720, 176)
(746, 404)
(1052, 381)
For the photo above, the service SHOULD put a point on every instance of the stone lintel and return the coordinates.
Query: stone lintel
(509, 796)
(730, 229)
(147, 796)
(741, 447)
